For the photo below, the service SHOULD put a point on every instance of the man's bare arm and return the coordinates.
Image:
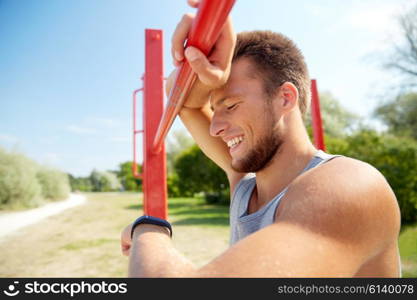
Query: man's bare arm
(319, 232)
(212, 71)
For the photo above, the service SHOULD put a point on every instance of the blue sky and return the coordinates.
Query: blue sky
(67, 68)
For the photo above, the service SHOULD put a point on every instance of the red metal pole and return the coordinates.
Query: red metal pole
(205, 30)
(316, 117)
(135, 132)
(154, 171)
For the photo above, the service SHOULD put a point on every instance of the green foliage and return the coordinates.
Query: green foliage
(337, 120)
(80, 184)
(197, 173)
(55, 184)
(104, 181)
(173, 185)
(18, 183)
(394, 157)
(23, 183)
(98, 181)
(125, 175)
(400, 115)
(176, 143)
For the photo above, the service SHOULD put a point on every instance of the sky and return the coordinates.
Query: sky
(68, 68)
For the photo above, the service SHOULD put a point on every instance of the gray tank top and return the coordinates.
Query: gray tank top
(241, 223)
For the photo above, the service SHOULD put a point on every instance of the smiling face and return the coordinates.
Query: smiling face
(245, 118)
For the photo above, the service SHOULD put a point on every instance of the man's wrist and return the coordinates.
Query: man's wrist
(150, 220)
(144, 228)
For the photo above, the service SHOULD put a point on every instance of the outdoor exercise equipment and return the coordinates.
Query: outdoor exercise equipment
(205, 30)
(316, 121)
(154, 163)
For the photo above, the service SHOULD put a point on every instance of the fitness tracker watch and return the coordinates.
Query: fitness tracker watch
(151, 220)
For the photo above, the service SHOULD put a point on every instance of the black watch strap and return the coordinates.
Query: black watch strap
(151, 220)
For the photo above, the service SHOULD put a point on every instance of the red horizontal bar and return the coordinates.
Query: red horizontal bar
(205, 30)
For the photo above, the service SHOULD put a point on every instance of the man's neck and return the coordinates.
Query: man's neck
(285, 166)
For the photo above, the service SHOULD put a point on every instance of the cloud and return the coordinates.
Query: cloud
(81, 130)
(119, 139)
(102, 122)
(374, 18)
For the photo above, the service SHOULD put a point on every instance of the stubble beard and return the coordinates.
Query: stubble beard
(261, 155)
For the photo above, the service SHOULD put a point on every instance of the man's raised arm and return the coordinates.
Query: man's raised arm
(212, 71)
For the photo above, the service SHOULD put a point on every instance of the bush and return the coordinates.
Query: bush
(104, 181)
(55, 184)
(80, 184)
(394, 157)
(218, 197)
(197, 173)
(125, 175)
(18, 182)
(173, 185)
(23, 183)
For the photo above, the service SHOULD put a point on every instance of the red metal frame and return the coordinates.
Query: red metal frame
(316, 120)
(135, 132)
(205, 30)
(154, 163)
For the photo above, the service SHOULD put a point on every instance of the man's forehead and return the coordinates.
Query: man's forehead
(242, 71)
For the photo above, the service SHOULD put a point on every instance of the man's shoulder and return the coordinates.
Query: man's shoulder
(344, 197)
(343, 176)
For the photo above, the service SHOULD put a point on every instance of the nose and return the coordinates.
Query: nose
(218, 125)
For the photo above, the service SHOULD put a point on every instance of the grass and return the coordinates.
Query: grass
(408, 251)
(84, 241)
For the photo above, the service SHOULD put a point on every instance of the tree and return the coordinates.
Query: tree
(337, 120)
(125, 175)
(104, 181)
(176, 143)
(197, 173)
(404, 58)
(400, 115)
(80, 183)
(55, 184)
(395, 157)
(18, 181)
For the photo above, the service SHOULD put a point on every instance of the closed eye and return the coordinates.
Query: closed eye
(232, 106)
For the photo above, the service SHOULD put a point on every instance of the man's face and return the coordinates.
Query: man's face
(245, 119)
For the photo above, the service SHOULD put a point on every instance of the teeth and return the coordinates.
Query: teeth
(234, 141)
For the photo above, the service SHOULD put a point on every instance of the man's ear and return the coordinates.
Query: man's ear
(288, 95)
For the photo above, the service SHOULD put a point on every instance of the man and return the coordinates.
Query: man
(295, 211)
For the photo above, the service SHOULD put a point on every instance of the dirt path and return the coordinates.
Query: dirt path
(13, 221)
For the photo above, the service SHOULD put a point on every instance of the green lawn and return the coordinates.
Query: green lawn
(408, 250)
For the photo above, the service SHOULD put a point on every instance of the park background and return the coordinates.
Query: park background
(67, 71)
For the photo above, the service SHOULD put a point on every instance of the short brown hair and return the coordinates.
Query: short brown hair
(277, 59)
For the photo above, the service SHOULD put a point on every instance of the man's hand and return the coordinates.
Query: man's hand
(125, 240)
(212, 70)
(151, 253)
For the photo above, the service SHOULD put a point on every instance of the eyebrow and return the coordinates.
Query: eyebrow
(218, 102)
